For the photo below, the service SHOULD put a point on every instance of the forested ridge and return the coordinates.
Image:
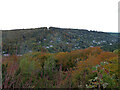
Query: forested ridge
(56, 40)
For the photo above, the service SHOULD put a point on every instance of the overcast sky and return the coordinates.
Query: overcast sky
(99, 15)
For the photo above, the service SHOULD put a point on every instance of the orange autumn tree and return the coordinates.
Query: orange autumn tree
(83, 71)
(64, 59)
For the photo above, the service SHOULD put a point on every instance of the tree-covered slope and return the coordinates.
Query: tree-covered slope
(55, 40)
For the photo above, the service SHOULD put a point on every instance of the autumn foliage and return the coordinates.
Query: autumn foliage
(83, 68)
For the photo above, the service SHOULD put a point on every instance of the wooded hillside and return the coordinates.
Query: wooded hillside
(55, 40)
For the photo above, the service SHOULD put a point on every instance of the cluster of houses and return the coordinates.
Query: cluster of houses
(6, 54)
(9, 55)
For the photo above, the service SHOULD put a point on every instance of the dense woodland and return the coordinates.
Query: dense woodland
(86, 68)
(56, 40)
(60, 58)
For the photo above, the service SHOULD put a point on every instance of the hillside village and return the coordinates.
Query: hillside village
(55, 40)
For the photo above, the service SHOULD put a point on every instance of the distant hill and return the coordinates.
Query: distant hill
(114, 34)
(55, 39)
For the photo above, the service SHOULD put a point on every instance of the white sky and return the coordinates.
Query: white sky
(99, 15)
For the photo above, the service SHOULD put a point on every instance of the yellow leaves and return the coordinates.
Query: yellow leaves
(113, 65)
(93, 57)
(38, 65)
(105, 56)
(64, 58)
